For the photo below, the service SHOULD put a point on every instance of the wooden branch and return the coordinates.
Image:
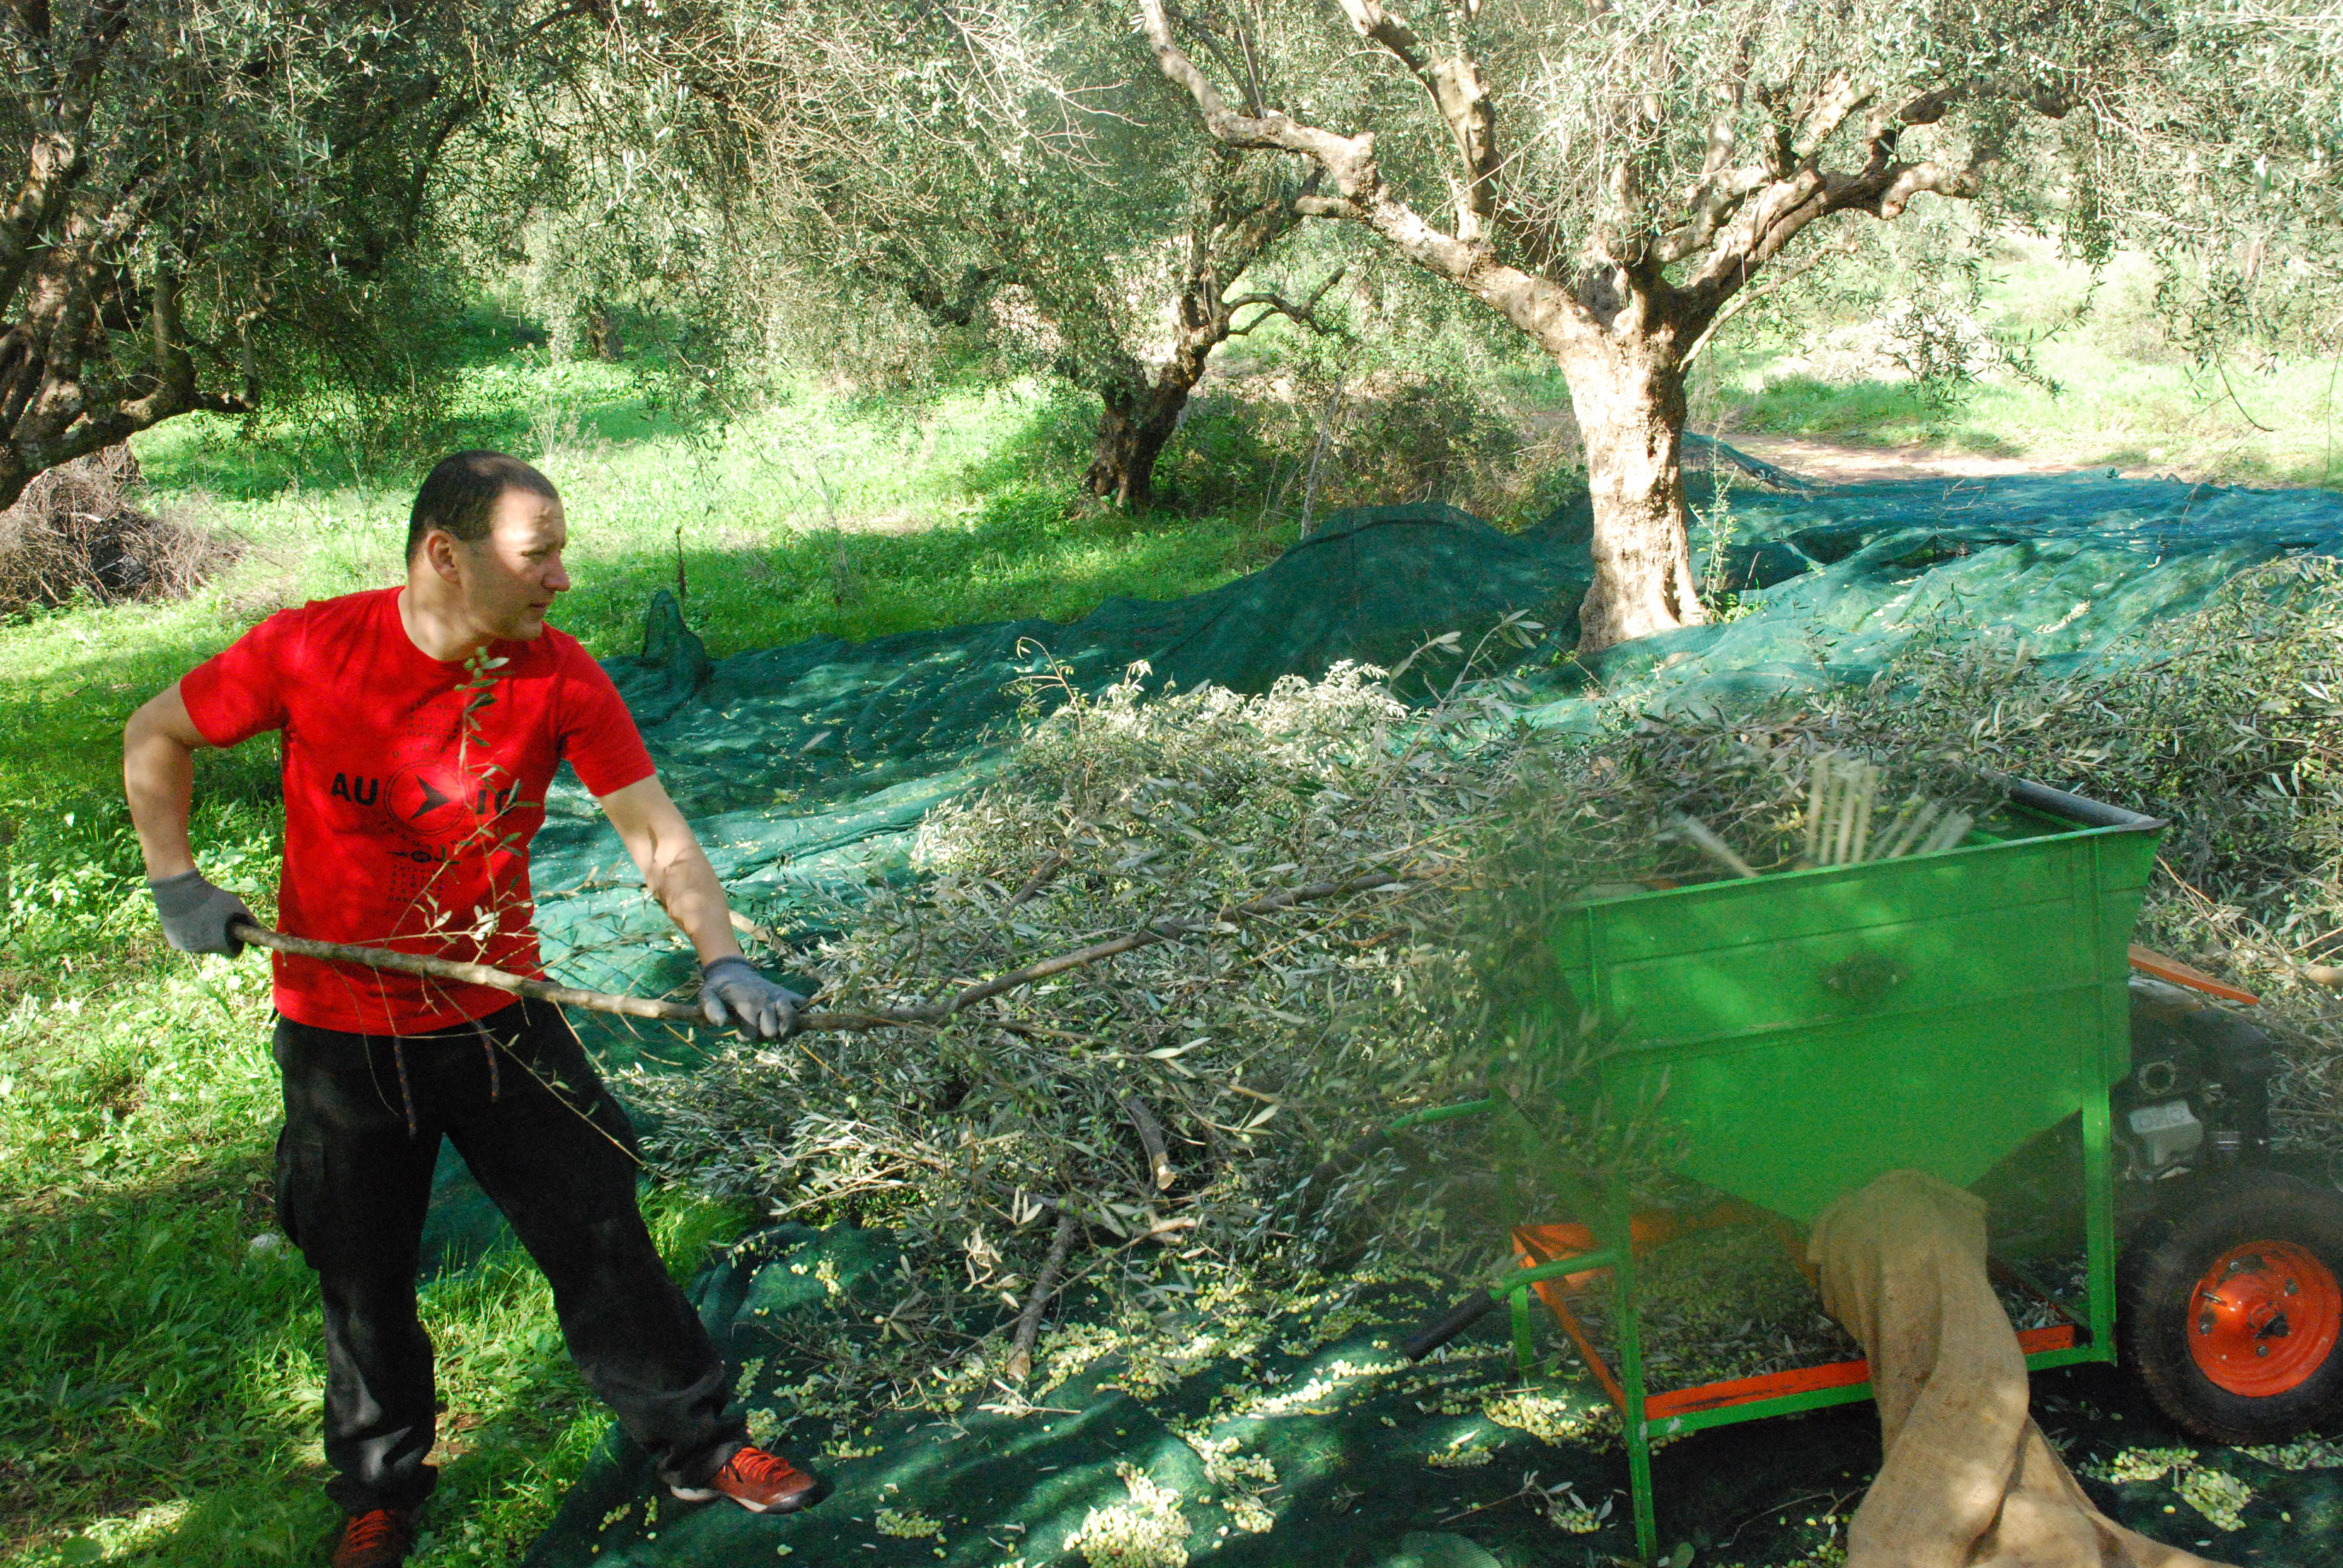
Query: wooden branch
(1909, 180)
(928, 1016)
(1460, 100)
(1714, 203)
(1839, 98)
(1028, 1321)
(1792, 191)
(1151, 1137)
(469, 974)
(1274, 303)
(1538, 306)
(1051, 864)
(1743, 298)
(52, 164)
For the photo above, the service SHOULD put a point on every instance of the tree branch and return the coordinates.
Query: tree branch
(1743, 219)
(929, 1015)
(1460, 100)
(52, 165)
(1159, 1169)
(1274, 303)
(1838, 97)
(1537, 306)
(1045, 1285)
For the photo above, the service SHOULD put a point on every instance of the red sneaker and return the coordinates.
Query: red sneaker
(759, 1482)
(379, 1538)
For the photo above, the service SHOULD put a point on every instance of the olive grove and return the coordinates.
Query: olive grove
(1611, 177)
(206, 200)
(1024, 182)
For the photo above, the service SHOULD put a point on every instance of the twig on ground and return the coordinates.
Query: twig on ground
(1028, 1321)
(1051, 864)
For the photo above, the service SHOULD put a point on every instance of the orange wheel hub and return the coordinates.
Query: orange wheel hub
(2264, 1318)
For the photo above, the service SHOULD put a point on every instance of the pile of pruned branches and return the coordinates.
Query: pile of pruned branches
(78, 532)
(1282, 919)
(1173, 1101)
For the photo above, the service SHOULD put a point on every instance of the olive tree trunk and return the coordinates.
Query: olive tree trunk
(1620, 300)
(1630, 402)
(1139, 417)
(1230, 229)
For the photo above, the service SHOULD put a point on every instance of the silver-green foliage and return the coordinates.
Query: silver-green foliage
(1258, 1049)
(215, 203)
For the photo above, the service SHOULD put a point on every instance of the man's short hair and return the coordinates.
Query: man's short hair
(461, 491)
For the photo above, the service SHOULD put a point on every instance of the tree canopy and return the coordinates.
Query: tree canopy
(211, 198)
(220, 204)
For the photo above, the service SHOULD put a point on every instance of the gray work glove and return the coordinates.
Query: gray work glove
(732, 991)
(197, 914)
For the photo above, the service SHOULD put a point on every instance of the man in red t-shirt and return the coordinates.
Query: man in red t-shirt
(421, 727)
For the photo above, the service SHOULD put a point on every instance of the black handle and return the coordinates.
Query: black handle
(2075, 808)
(1459, 1318)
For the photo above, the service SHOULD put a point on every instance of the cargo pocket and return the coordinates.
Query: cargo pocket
(299, 1172)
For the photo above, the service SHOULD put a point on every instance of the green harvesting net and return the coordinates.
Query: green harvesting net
(1293, 1432)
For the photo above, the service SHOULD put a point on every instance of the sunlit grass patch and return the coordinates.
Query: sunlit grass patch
(164, 1380)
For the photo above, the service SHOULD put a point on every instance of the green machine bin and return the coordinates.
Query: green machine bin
(1810, 1030)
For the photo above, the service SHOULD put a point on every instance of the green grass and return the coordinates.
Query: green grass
(2108, 413)
(2124, 397)
(163, 1376)
(855, 519)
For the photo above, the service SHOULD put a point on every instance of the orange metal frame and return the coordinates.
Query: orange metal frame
(1536, 1245)
(2172, 971)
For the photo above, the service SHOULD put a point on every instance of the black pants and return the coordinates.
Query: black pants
(364, 1115)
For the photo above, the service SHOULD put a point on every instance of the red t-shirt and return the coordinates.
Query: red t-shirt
(408, 820)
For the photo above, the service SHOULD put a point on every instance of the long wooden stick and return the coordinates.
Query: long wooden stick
(933, 1013)
(470, 974)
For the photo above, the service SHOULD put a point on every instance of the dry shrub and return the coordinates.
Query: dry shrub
(77, 532)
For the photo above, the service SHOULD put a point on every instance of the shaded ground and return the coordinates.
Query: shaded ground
(1854, 463)
(1303, 1438)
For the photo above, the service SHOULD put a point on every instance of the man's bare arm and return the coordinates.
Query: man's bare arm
(677, 873)
(675, 869)
(159, 776)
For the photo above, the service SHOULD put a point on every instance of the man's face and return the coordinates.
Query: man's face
(510, 578)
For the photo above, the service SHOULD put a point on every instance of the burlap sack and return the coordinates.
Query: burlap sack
(1968, 1478)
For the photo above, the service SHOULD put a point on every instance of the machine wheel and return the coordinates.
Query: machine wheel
(2232, 1307)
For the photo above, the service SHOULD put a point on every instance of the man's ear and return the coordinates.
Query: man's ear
(439, 551)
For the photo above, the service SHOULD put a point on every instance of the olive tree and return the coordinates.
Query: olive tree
(2226, 166)
(206, 198)
(1609, 175)
(1111, 278)
(1024, 179)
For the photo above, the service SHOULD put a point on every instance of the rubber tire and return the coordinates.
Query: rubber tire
(2157, 1281)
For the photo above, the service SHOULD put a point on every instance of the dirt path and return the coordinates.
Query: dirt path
(1839, 463)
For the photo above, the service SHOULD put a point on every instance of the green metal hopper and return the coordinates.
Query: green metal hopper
(1810, 1030)
(1816, 1028)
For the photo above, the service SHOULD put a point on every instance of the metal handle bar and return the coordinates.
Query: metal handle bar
(2076, 807)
